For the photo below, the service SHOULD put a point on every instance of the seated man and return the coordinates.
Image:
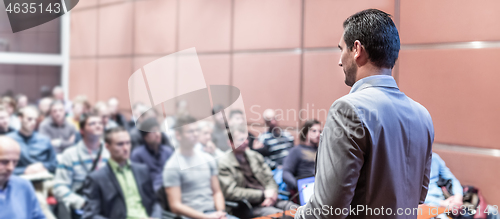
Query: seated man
(37, 154)
(435, 195)
(5, 121)
(190, 177)
(153, 154)
(17, 197)
(205, 143)
(275, 142)
(245, 175)
(121, 189)
(300, 162)
(78, 161)
(61, 133)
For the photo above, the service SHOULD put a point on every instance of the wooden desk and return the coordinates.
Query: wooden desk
(427, 213)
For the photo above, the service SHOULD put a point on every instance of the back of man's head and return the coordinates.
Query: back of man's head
(377, 33)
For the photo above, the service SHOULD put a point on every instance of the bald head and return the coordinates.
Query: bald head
(270, 118)
(9, 156)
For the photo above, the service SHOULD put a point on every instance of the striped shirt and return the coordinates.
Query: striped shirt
(74, 166)
(276, 147)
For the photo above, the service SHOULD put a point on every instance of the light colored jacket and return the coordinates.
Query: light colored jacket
(375, 151)
(232, 180)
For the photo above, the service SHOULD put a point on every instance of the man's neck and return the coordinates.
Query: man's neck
(58, 123)
(121, 163)
(25, 132)
(371, 70)
(153, 147)
(186, 151)
(92, 143)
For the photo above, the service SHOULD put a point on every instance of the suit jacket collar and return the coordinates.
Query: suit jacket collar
(374, 81)
(138, 181)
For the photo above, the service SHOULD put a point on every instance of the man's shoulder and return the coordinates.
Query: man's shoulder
(254, 155)
(19, 182)
(139, 166)
(100, 173)
(41, 138)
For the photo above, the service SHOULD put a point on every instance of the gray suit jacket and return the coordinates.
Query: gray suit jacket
(375, 151)
(105, 197)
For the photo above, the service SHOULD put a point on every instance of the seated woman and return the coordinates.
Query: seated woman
(300, 161)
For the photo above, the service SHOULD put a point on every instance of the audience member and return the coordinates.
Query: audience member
(276, 142)
(21, 101)
(236, 117)
(4, 121)
(153, 154)
(135, 133)
(78, 161)
(193, 192)
(10, 104)
(78, 111)
(37, 154)
(57, 128)
(205, 143)
(122, 189)
(102, 110)
(245, 175)
(17, 196)
(219, 134)
(44, 108)
(300, 162)
(58, 94)
(435, 195)
(114, 113)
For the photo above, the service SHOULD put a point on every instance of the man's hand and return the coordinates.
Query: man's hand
(34, 169)
(257, 144)
(270, 196)
(56, 142)
(214, 215)
(452, 202)
(72, 138)
(210, 147)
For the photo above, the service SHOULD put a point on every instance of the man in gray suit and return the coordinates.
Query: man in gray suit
(375, 151)
(121, 189)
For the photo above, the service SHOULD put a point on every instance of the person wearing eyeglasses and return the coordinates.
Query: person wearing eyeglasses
(77, 162)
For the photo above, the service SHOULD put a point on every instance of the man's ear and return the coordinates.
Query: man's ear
(357, 49)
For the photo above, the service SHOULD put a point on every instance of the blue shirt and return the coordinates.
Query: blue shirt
(18, 200)
(154, 161)
(435, 194)
(34, 149)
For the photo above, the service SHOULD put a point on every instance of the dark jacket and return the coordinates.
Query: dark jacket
(105, 196)
(375, 151)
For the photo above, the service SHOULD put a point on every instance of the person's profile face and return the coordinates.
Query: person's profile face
(347, 63)
(93, 127)
(119, 147)
(205, 135)
(313, 134)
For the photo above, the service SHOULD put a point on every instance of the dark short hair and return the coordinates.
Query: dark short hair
(234, 112)
(84, 117)
(377, 33)
(147, 125)
(182, 121)
(111, 131)
(217, 108)
(305, 128)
